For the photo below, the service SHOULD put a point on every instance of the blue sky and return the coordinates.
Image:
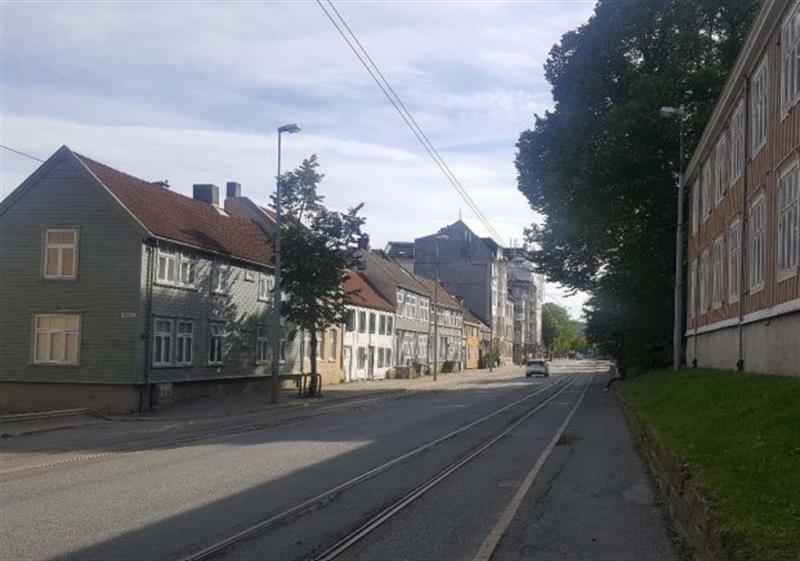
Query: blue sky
(192, 93)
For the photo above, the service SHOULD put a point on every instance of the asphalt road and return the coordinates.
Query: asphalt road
(532, 493)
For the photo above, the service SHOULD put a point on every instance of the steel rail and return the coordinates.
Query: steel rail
(226, 543)
(378, 520)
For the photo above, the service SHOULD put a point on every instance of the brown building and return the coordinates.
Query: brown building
(743, 297)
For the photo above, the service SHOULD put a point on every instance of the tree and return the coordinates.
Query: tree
(558, 331)
(319, 246)
(600, 166)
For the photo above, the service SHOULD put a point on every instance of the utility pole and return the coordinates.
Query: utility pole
(436, 308)
(275, 385)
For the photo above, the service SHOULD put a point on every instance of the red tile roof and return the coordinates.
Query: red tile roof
(358, 292)
(172, 216)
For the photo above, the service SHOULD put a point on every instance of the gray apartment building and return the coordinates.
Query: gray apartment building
(451, 350)
(116, 292)
(475, 270)
(526, 291)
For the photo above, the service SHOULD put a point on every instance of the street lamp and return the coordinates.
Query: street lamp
(276, 293)
(678, 113)
(436, 308)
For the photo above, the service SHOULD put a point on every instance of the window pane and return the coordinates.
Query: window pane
(57, 344)
(72, 347)
(71, 322)
(51, 267)
(42, 347)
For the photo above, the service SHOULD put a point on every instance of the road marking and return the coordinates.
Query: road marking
(490, 543)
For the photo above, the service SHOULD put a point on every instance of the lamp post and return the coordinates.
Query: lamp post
(276, 292)
(436, 308)
(678, 113)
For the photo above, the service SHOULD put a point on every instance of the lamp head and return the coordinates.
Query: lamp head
(291, 129)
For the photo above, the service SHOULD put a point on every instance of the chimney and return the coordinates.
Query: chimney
(233, 189)
(363, 242)
(207, 193)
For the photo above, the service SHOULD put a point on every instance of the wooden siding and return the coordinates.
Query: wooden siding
(760, 176)
(107, 283)
(239, 310)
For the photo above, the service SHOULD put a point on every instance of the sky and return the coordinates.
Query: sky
(192, 92)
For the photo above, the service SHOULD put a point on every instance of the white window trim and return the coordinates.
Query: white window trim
(733, 295)
(34, 337)
(787, 104)
(220, 271)
(705, 277)
(762, 67)
(179, 256)
(268, 281)
(60, 246)
(692, 300)
(221, 361)
(160, 363)
(178, 337)
(696, 206)
(737, 121)
(718, 274)
(705, 194)
(267, 340)
(756, 288)
(791, 271)
(720, 167)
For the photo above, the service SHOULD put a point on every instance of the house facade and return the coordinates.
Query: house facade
(743, 287)
(446, 336)
(526, 290)
(368, 352)
(476, 342)
(475, 270)
(116, 293)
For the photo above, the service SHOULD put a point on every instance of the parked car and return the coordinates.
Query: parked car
(537, 367)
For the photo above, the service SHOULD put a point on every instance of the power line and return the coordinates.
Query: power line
(4, 147)
(405, 114)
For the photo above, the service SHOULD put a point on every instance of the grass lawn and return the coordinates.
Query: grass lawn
(740, 436)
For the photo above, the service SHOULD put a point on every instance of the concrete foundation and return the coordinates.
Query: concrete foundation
(769, 347)
(26, 397)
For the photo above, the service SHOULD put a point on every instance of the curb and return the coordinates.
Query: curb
(54, 414)
(701, 536)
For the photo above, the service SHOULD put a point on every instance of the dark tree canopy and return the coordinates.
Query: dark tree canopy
(601, 166)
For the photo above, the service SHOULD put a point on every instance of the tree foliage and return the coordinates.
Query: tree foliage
(559, 333)
(319, 246)
(601, 166)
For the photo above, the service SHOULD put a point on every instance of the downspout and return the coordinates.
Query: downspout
(144, 396)
(745, 221)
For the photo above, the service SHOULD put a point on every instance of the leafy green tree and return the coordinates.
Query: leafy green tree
(319, 246)
(600, 166)
(558, 331)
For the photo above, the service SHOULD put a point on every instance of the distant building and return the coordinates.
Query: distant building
(476, 340)
(743, 277)
(526, 289)
(403, 253)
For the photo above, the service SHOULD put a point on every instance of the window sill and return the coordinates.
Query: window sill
(58, 364)
(215, 364)
(755, 290)
(191, 288)
(59, 279)
(173, 366)
(786, 275)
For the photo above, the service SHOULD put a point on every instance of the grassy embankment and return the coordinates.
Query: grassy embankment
(739, 435)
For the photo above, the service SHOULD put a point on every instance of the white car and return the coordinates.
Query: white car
(537, 367)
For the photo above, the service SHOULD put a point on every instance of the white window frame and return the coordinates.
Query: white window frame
(705, 275)
(184, 343)
(333, 341)
(692, 300)
(696, 206)
(263, 349)
(401, 310)
(389, 325)
(216, 332)
(737, 143)
(734, 260)
(362, 321)
(249, 275)
(759, 104)
(60, 248)
(757, 239)
(790, 69)
(705, 200)
(718, 272)
(40, 333)
(788, 221)
(220, 278)
(163, 334)
(183, 264)
(266, 286)
(720, 169)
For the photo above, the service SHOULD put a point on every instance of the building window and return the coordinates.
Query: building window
(695, 206)
(388, 357)
(262, 344)
(362, 322)
(401, 310)
(737, 143)
(424, 310)
(718, 280)
(163, 335)
(734, 260)
(249, 275)
(705, 201)
(60, 254)
(380, 358)
(372, 323)
(389, 326)
(790, 60)
(216, 337)
(788, 228)
(757, 229)
(704, 280)
(721, 169)
(692, 288)
(758, 106)
(411, 306)
(332, 341)
(350, 320)
(184, 342)
(266, 284)
(382, 325)
(361, 359)
(56, 338)
(175, 268)
(220, 277)
(282, 343)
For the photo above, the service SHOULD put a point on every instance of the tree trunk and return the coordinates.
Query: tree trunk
(313, 386)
